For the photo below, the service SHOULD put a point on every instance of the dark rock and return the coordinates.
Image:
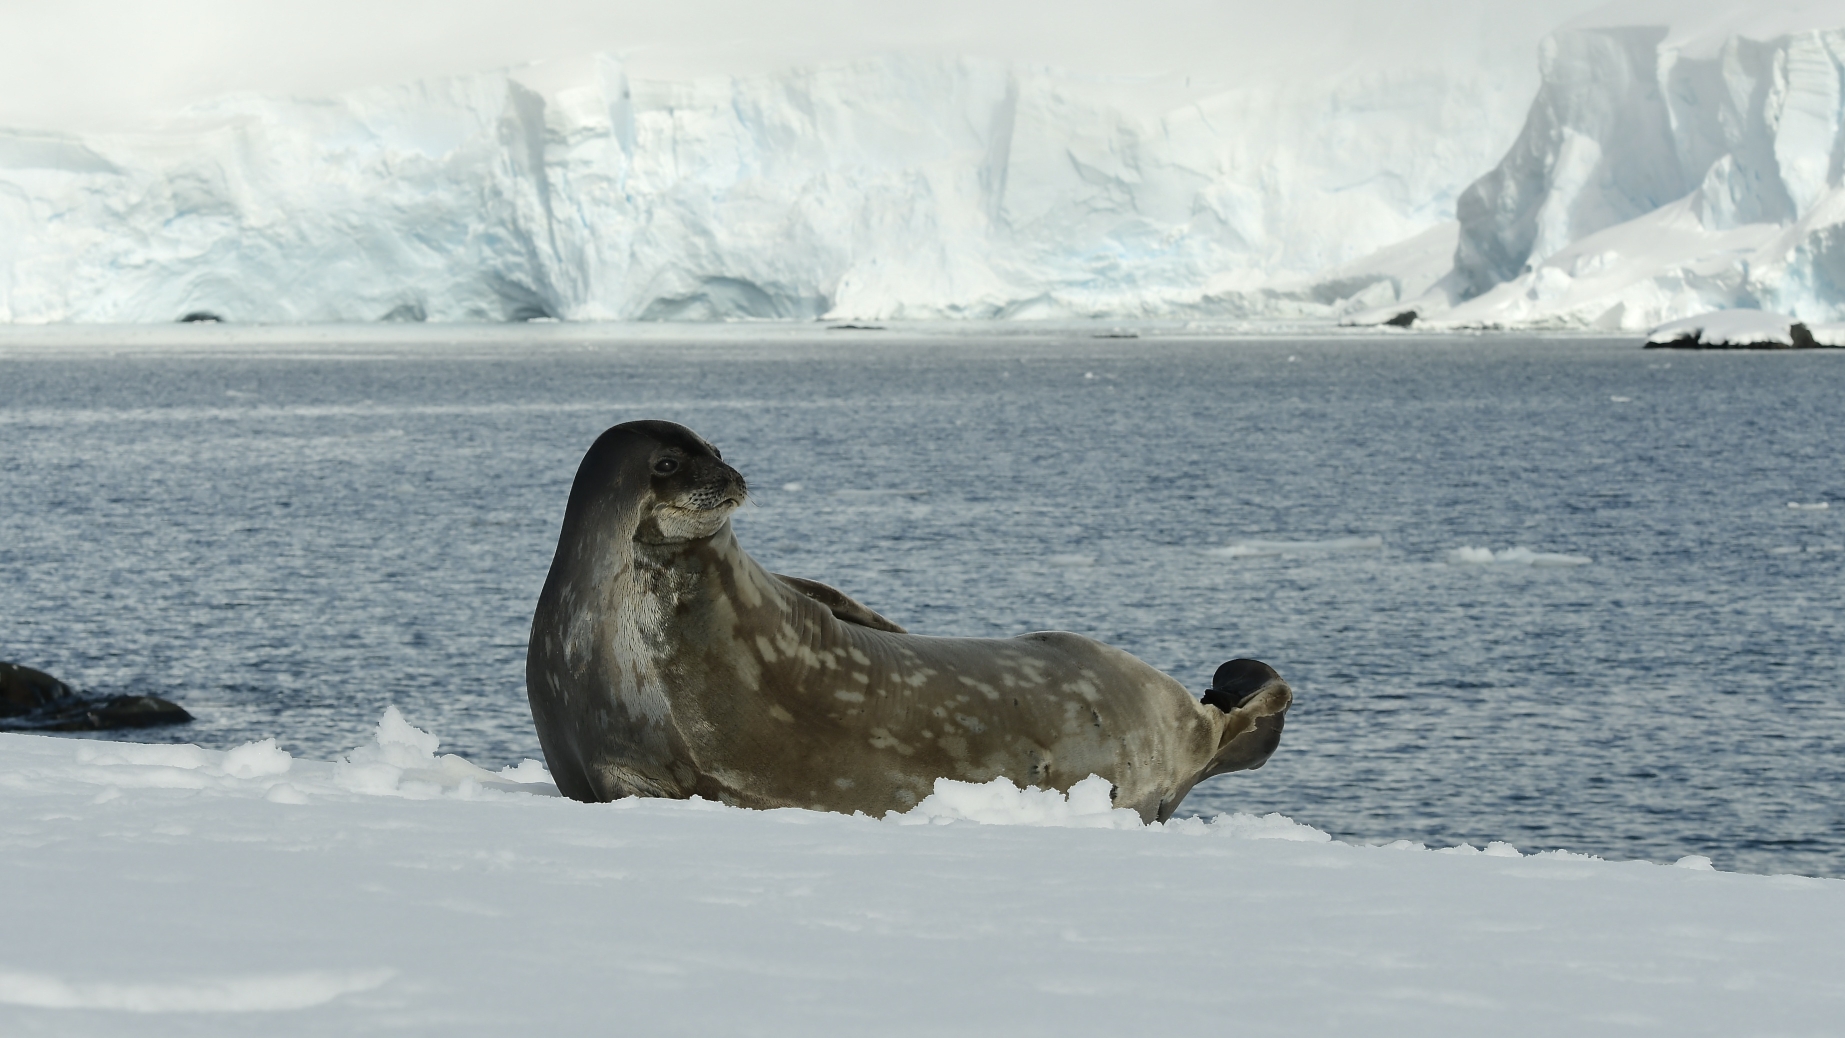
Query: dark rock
(23, 690)
(1801, 335)
(34, 701)
(854, 327)
(1402, 320)
(201, 317)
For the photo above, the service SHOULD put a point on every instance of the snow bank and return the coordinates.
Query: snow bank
(160, 890)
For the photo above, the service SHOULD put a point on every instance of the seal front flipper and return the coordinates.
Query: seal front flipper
(842, 605)
(1255, 702)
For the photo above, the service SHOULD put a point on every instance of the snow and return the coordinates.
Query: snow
(1728, 328)
(165, 890)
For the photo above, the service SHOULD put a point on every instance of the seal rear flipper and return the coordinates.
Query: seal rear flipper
(842, 605)
(1254, 700)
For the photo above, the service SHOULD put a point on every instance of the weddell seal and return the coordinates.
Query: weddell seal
(664, 661)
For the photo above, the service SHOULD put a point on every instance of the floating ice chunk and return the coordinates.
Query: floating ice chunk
(1621, 399)
(1696, 863)
(1816, 506)
(257, 759)
(792, 488)
(1501, 849)
(245, 994)
(1262, 549)
(1517, 556)
(1000, 802)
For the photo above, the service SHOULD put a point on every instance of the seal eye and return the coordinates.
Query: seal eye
(665, 467)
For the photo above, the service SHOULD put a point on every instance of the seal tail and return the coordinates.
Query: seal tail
(1255, 701)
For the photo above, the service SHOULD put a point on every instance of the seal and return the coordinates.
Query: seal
(664, 661)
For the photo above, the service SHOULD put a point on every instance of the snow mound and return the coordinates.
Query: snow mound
(400, 761)
(1515, 556)
(1088, 805)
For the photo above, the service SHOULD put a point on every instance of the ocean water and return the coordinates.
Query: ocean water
(1548, 591)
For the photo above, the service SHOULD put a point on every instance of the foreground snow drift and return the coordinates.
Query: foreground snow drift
(172, 890)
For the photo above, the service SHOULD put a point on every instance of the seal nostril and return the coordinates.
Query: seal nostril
(1236, 681)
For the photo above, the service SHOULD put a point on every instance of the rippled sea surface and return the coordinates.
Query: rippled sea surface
(288, 530)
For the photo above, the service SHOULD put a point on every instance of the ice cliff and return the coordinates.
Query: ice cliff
(894, 187)
(1677, 160)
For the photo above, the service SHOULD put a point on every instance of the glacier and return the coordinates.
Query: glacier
(885, 188)
(1677, 159)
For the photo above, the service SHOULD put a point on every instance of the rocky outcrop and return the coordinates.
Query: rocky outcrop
(34, 701)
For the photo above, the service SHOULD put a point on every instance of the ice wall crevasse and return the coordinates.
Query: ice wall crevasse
(1659, 176)
(883, 188)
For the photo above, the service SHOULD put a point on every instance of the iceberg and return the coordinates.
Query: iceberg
(1677, 160)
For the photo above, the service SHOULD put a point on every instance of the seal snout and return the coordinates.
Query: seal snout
(720, 486)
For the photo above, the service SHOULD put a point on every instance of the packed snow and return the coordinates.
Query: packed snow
(175, 890)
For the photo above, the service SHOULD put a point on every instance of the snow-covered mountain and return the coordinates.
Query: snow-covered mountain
(1675, 160)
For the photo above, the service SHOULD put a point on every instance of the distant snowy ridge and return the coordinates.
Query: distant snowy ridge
(893, 187)
(1677, 160)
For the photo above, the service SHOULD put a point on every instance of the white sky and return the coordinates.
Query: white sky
(117, 64)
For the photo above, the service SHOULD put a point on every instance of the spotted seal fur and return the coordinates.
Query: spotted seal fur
(664, 661)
